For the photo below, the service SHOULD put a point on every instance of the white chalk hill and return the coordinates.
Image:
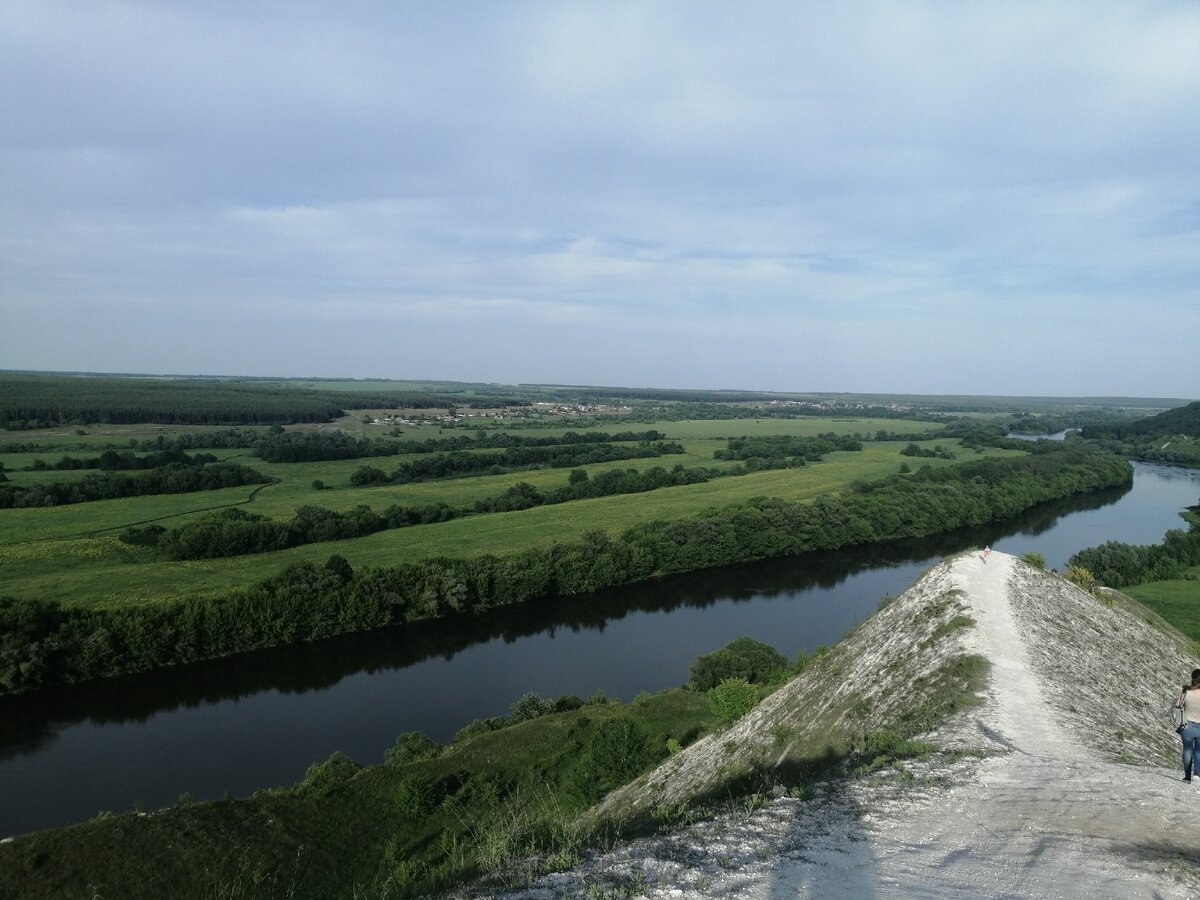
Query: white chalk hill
(1077, 793)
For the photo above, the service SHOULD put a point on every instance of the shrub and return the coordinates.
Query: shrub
(732, 699)
(366, 475)
(1034, 559)
(615, 753)
(325, 776)
(411, 746)
(414, 798)
(480, 726)
(146, 536)
(1081, 577)
(531, 706)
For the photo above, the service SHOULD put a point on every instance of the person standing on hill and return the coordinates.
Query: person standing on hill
(1190, 701)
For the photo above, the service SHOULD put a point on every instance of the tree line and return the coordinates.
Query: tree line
(114, 460)
(1119, 565)
(460, 463)
(938, 452)
(43, 642)
(315, 446)
(1183, 420)
(786, 448)
(173, 478)
(235, 532)
(38, 401)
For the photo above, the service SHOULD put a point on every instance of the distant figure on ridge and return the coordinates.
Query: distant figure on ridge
(1189, 700)
(987, 551)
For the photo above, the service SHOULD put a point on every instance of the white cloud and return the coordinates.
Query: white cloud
(694, 181)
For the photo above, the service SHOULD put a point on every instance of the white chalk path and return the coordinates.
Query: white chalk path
(1045, 820)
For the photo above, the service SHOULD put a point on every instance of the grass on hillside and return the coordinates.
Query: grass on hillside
(480, 808)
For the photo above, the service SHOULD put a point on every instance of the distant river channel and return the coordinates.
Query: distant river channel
(260, 719)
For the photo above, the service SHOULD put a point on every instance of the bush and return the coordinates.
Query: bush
(732, 699)
(146, 536)
(744, 658)
(325, 776)
(480, 726)
(1034, 559)
(411, 746)
(414, 798)
(615, 753)
(367, 475)
(1081, 577)
(531, 706)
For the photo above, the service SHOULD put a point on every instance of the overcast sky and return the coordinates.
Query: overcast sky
(940, 197)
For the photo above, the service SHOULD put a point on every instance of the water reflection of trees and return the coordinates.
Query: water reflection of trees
(27, 723)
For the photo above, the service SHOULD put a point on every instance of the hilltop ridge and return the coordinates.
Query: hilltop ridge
(1062, 781)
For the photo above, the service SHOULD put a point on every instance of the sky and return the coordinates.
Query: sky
(901, 197)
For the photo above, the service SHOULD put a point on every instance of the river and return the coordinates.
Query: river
(260, 719)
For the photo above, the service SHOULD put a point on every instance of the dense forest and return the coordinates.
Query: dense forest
(38, 401)
(43, 642)
(1171, 437)
(1184, 420)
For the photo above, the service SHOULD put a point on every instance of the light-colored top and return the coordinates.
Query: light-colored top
(1191, 705)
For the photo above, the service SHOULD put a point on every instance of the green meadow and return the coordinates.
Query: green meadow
(48, 553)
(1177, 600)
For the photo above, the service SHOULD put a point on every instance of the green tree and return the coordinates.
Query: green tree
(732, 699)
(742, 657)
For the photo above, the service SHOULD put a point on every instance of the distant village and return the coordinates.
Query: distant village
(503, 414)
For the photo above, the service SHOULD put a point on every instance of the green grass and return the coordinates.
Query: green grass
(1177, 601)
(104, 571)
(482, 805)
(295, 490)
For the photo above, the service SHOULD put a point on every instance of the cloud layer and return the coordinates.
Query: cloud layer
(919, 197)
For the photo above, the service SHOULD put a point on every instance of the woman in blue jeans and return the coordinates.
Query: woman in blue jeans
(1190, 701)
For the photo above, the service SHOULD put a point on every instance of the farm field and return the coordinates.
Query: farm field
(103, 570)
(1177, 600)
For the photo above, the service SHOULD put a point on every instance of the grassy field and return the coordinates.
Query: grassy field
(102, 570)
(1177, 601)
(72, 553)
(699, 438)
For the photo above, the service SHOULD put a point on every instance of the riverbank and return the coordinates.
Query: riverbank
(55, 644)
(992, 800)
(1031, 817)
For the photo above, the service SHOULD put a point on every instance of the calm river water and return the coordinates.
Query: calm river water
(260, 719)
